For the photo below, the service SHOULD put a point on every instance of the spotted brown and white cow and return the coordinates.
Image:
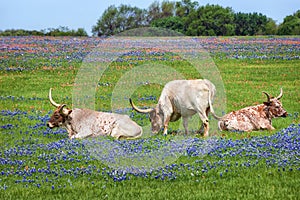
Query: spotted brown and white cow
(254, 117)
(83, 123)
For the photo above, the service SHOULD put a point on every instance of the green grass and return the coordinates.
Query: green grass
(241, 184)
(244, 82)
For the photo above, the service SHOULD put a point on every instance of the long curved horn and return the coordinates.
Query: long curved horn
(280, 95)
(268, 96)
(51, 100)
(138, 109)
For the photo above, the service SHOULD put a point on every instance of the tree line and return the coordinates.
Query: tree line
(185, 17)
(60, 31)
(188, 18)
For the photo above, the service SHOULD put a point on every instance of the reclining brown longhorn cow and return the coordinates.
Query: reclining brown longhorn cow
(253, 117)
(82, 123)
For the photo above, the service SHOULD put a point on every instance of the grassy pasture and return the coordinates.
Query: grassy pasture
(40, 163)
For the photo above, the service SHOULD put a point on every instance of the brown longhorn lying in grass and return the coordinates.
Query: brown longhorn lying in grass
(254, 117)
(83, 123)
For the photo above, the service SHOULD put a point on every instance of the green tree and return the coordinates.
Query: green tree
(81, 32)
(154, 12)
(174, 23)
(106, 25)
(271, 27)
(185, 7)
(183, 10)
(130, 17)
(167, 9)
(258, 24)
(250, 23)
(64, 31)
(115, 20)
(241, 21)
(211, 20)
(290, 25)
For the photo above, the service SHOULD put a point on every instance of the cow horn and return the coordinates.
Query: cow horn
(63, 110)
(280, 95)
(138, 109)
(51, 100)
(268, 96)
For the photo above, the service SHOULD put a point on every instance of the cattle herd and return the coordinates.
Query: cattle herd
(179, 98)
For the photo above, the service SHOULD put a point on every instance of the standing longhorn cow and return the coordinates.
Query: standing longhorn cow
(181, 98)
(253, 117)
(82, 123)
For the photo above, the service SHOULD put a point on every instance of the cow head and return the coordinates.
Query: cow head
(60, 115)
(155, 115)
(274, 106)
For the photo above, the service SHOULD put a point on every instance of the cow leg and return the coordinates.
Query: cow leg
(206, 124)
(204, 120)
(270, 127)
(206, 128)
(185, 124)
(166, 123)
(116, 133)
(81, 135)
(71, 135)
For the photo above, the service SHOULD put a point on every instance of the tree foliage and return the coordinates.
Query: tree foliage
(290, 25)
(60, 31)
(65, 31)
(250, 23)
(174, 23)
(212, 20)
(185, 7)
(167, 9)
(118, 19)
(271, 27)
(187, 17)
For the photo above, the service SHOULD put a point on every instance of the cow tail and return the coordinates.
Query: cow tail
(211, 107)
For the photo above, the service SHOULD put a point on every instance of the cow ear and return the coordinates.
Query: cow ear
(64, 111)
(267, 103)
(67, 112)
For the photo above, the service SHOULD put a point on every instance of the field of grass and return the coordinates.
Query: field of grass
(40, 163)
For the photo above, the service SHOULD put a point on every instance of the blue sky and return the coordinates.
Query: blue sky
(43, 14)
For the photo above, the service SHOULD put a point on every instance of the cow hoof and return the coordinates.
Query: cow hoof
(72, 137)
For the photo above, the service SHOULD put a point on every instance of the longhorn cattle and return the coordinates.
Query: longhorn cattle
(82, 123)
(253, 117)
(181, 98)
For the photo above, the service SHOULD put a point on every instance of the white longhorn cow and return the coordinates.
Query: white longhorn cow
(181, 98)
(83, 123)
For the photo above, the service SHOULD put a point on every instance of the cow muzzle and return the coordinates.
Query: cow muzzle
(285, 114)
